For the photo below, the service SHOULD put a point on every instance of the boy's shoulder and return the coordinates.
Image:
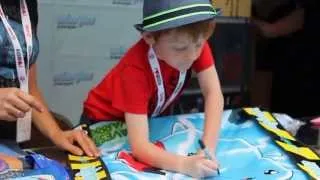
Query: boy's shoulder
(136, 56)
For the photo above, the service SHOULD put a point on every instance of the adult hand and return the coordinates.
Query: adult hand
(15, 103)
(76, 141)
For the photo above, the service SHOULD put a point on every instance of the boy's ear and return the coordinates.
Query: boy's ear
(148, 37)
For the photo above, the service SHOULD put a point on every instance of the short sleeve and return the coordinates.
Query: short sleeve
(205, 60)
(131, 91)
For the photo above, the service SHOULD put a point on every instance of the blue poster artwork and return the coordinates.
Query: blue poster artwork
(246, 148)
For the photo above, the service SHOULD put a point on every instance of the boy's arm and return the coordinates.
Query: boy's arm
(144, 150)
(213, 107)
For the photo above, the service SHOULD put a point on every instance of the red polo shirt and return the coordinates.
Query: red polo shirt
(130, 85)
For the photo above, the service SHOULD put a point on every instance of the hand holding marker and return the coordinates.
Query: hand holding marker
(206, 152)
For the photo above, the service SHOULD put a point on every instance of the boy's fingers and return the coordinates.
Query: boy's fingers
(207, 171)
(201, 153)
(30, 100)
(210, 164)
(215, 161)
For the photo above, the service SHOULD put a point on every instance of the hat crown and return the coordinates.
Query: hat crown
(167, 14)
(151, 7)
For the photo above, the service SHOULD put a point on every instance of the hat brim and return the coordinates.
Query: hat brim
(178, 22)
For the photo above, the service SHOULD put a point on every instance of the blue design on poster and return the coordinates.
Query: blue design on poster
(244, 151)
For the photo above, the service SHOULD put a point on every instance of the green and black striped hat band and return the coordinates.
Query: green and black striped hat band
(168, 16)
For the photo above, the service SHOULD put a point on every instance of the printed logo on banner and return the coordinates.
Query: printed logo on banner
(127, 2)
(68, 78)
(117, 52)
(72, 21)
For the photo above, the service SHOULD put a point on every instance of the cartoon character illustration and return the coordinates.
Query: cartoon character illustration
(238, 154)
(252, 150)
(88, 173)
(3, 166)
(128, 158)
(87, 168)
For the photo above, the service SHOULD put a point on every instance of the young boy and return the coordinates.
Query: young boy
(153, 73)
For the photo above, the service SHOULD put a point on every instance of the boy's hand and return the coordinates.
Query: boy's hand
(198, 166)
(67, 139)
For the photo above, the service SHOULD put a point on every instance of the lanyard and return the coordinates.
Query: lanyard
(23, 124)
(22, 71)
(154, 63)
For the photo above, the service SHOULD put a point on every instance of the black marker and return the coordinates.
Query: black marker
(206, 152)
(155, 171)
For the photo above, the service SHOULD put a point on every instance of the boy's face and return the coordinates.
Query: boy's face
(178, 49)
